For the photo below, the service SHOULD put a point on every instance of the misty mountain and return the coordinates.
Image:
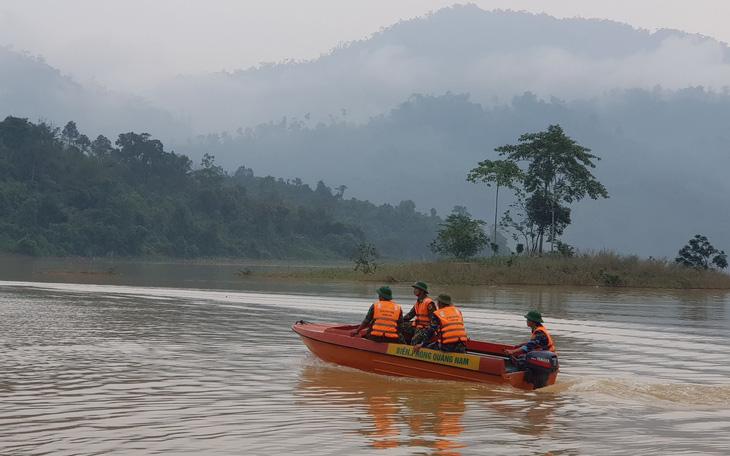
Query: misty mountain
(405, 114)
(490, 55)
(32, 89)
(650, 105)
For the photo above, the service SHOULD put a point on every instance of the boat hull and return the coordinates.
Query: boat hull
(483, 362)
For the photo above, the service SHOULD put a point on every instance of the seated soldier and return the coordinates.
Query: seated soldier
(384, 319)
(540, 339)
(448, 323)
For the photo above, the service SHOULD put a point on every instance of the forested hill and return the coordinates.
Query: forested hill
(62, 194)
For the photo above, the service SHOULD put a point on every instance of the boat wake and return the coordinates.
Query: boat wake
(670, 395)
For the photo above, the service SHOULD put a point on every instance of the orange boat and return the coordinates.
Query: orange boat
(483, 362)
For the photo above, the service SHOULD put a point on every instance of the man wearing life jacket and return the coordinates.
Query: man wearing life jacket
(422, 310)
(448, 323)
(540, 339)
(384, 319)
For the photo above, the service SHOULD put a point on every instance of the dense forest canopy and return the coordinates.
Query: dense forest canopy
(64, 194)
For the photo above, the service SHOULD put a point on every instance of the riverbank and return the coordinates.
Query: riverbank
(602, 269)
(582, 270)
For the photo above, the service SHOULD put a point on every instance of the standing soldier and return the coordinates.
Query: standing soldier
(422, 310)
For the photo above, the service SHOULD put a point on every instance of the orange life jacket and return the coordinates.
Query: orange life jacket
(550, 346)
(452, 325)
(385, 319)
(422, 318)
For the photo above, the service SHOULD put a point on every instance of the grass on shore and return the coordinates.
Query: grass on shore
(603, 269)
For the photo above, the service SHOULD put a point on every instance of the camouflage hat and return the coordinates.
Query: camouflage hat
(385, 293)
(444, 298)
(421, 286)
(534, 315)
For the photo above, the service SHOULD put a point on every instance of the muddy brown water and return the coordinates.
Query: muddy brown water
(195, 359)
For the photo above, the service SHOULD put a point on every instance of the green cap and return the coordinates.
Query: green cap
(421, 285)
(534, 315)
(385, 293)
(444, 298)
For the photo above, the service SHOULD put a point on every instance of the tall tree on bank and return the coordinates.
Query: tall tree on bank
(557, 172)
(502, 173)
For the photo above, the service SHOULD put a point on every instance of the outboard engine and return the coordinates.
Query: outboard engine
(539, 364)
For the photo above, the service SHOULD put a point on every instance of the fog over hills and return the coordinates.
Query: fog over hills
(32, 89)
(463, 49)
(407, 113)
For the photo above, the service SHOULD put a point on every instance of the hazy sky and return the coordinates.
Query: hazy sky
(129, 44)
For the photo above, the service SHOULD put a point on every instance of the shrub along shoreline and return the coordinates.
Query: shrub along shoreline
(602, 269)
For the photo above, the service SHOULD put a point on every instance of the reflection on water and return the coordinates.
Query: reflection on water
(104, 367)
(403, 412)
(429, 417)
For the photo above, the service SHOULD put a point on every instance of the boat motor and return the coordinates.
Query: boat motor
(539, 365)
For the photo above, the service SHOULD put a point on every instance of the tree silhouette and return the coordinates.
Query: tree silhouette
(557, 171)
(503, 173)
(697, 253)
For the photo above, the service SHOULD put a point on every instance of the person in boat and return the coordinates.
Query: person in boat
(384, 319)
(540, 339)
(448, 323)
(423, 311)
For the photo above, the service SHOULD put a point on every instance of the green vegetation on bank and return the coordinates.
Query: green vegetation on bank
(603, 269)
(62, 194)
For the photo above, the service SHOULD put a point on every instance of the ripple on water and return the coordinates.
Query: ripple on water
(125, 370)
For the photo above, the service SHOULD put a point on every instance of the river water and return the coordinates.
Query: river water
(196, 359)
